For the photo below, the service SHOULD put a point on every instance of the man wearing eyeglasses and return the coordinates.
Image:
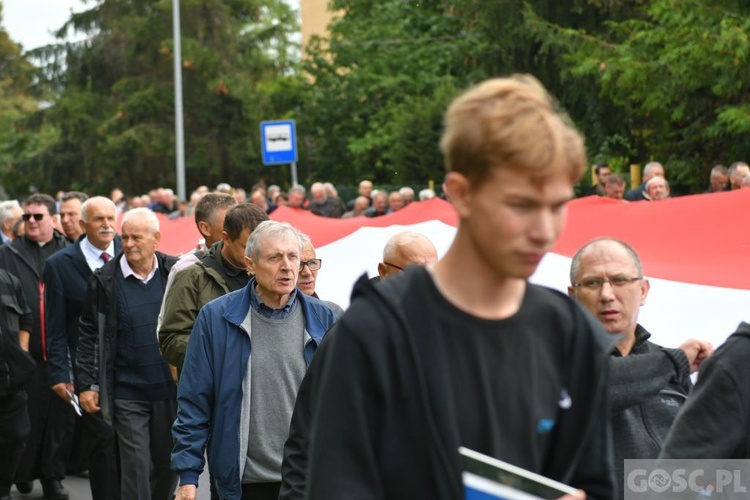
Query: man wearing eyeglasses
(51, 417)
(245, 360)
(649, 383)
(308, 273)
(404, 249)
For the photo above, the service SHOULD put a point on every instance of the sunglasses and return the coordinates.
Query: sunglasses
(37, 217)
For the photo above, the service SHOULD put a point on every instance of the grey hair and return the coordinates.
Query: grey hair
(719, 169)
(298, 188)
(654, 179)
(266, 230)
(304, 240)
(142, 213)
(6, 209)
(575, 265)
(426, 194)
(650, 166)
(85, 206)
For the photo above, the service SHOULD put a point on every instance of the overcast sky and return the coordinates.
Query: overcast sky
(29, 22)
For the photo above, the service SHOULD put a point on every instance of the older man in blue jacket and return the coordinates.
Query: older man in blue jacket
(243, 403)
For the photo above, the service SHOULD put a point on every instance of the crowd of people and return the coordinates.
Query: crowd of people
(136, 366)
(655, 186)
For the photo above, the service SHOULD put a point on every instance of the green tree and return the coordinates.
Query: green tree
(114, 105)
(383, 64)
(19, 100)
(679, 70)
(384, 76)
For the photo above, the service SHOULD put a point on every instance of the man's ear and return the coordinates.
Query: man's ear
(250, 264)
(382, 270)
(645, 287)
(458, 191)
(204, 228)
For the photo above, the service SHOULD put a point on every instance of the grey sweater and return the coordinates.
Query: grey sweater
(647, 389)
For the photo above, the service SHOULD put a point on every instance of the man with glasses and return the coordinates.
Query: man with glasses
(649, 383)
(404, 249)
(51, 417)
(308, 273)
(245, 359)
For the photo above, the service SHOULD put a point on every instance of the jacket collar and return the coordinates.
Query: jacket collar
(236, 312)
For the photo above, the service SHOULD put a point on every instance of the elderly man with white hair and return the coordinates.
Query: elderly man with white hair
(657, 189)
(121, 371)
(651, 170)
(248, 350)
(324, 205)
(10, 212)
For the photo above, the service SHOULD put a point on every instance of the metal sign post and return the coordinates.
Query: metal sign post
(278, 141)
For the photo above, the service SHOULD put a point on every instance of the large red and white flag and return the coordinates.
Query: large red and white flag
(694, 251)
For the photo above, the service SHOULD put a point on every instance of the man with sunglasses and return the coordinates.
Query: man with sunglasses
(51, 417)
(245, 360)
(649, 383)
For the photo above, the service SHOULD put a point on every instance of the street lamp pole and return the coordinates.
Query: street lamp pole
(179, 130)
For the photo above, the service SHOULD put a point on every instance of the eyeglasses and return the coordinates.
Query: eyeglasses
(598, 283)
(37, 217)
(393, 265)
(313, 264)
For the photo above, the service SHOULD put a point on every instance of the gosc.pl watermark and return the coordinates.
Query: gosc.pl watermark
(686, 479)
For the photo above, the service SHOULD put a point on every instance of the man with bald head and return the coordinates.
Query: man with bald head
(66, 277)
(649, 383)
(404, 249)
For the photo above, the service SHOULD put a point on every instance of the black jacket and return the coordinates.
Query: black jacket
(97, 340)
(16, 366)
(715, 421)
(25, 260)
(383, 427)
(66, 278)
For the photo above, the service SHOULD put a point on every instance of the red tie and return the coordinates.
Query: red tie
(105, 257)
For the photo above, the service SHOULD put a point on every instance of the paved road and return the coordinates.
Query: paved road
(78, 488)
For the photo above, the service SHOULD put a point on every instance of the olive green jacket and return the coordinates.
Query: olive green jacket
(192, 288)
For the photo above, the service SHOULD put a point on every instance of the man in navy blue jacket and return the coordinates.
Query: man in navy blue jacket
(243, 402)
(66, 275)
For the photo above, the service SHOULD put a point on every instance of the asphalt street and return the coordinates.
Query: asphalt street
(78, 487)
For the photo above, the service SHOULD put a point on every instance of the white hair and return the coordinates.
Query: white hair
(142, 213)
(85, 206)
(426, 194)
(6, 209)
(266, 230)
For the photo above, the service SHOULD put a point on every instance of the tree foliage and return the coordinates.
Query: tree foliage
(679, 70)
(114, 105)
